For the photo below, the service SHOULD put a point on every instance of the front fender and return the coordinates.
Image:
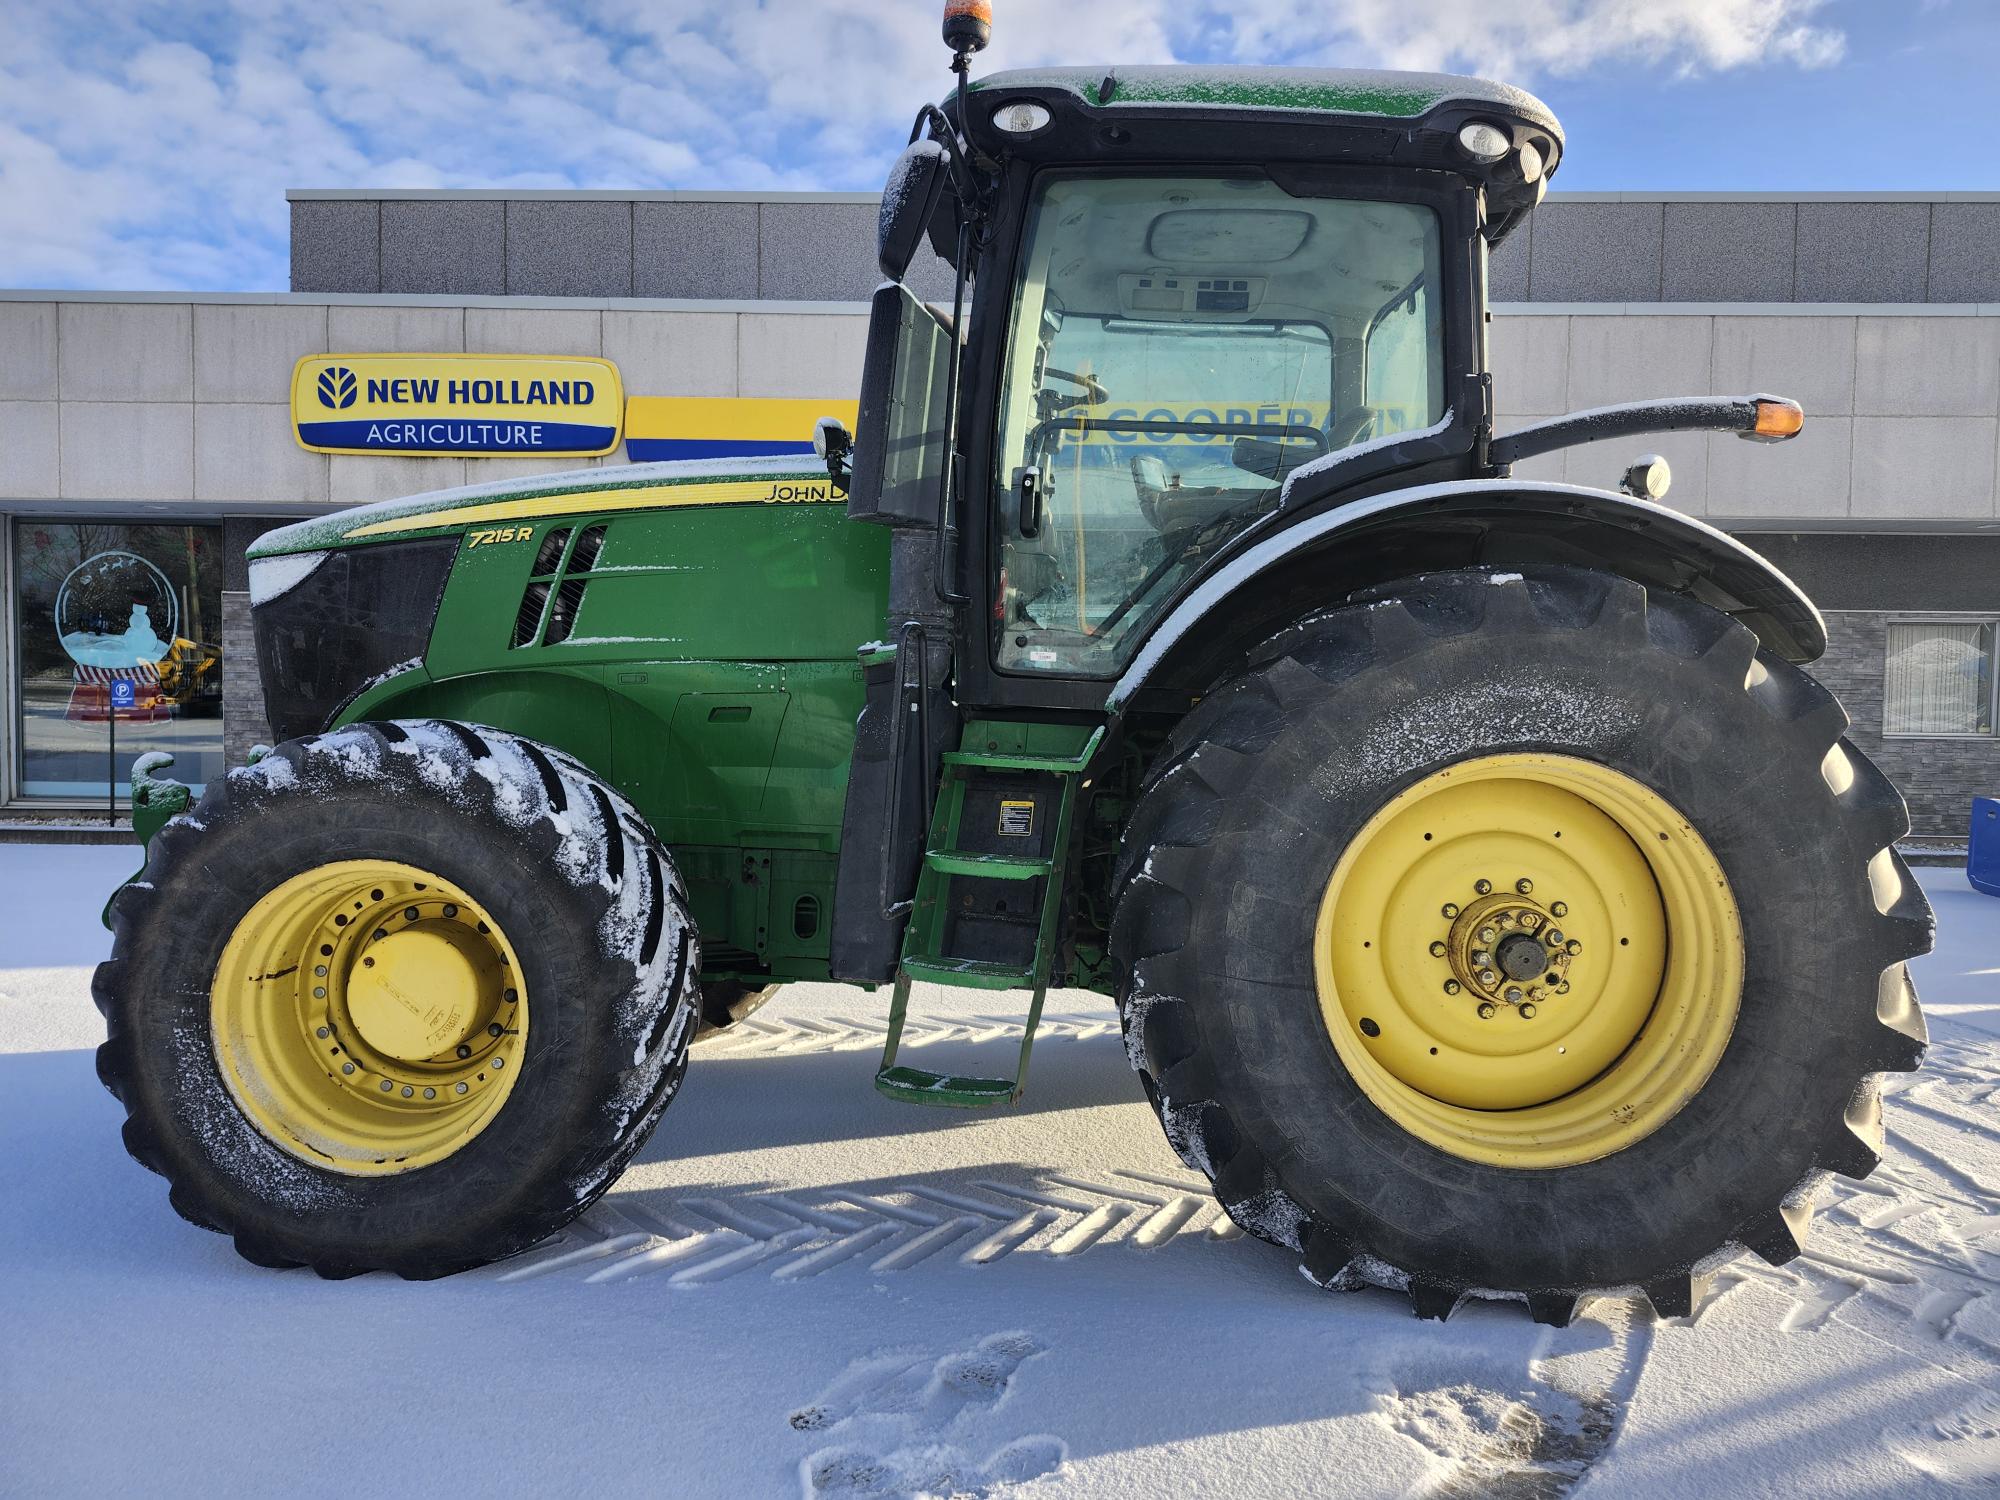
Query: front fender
(1324, 557)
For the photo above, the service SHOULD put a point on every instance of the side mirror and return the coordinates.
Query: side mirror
(909, 199)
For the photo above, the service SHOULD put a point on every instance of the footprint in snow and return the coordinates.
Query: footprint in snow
(917, 1400)
(1504, 1447)
(931, 1393)
(1960, 1447)
(923, 1471)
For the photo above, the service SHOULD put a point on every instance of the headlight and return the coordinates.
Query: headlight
(1484, 142)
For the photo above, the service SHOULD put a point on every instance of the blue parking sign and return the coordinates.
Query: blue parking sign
(124, 693)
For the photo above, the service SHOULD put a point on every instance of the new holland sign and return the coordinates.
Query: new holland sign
(457, 405)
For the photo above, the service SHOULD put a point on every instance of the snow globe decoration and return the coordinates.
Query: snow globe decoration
(116, 610)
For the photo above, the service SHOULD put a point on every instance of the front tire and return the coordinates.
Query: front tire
(405, 996)
(1309, 941)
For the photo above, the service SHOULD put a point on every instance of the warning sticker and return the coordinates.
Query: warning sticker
(1017, 819)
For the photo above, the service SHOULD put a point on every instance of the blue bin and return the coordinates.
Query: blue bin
(1982, 855)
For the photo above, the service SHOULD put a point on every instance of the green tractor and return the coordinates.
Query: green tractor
(1492, 903)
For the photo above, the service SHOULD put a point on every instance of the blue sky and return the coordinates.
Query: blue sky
(150, 145)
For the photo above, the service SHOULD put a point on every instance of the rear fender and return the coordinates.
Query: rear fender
(1324, 558)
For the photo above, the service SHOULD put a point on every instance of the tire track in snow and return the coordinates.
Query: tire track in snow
(1047, 1217)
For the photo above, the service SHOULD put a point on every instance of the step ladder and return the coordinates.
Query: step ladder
(941, 863)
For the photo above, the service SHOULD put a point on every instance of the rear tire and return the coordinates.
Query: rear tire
(1248, 826)
(579, 915)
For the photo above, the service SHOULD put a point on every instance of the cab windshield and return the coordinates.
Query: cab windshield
(1179, 345)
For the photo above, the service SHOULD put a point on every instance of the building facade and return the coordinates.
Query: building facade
(146, 438)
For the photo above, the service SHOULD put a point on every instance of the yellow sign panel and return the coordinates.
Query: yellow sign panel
(671, 427)
(457, 405)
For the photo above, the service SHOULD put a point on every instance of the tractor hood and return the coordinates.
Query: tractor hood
(743, 481)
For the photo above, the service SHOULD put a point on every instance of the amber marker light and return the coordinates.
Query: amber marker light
(1777, 419)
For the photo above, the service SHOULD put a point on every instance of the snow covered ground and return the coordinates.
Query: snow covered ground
(802, 1288)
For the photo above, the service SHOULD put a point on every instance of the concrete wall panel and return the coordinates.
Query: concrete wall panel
(1530, 361)
(1935, 367)
(816, 252)
(126, 351)
(533, 330)
(1810, 360)
(1918, 468)
(245, 451)
(127, 450)
(694, 250)
(337, 246)
(356, 479)
(1596, 252)
(27, 351)
(1863, 252)
(1807, 477)
(1965, 252)
(453, 247)
(247, 353)
(569, 249)
(673, 354)
(29, 451)
(1634, 358)
(395, 330)
(799, 354)
(1728, 252)
(1507, 267)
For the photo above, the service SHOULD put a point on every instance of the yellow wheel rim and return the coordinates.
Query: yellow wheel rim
(1529, 960)
(369, 1017)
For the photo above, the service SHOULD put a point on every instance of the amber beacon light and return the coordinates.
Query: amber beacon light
(968, 25)
(1777, 419)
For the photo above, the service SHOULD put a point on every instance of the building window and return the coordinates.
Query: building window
(117, 633)
(1939, 678)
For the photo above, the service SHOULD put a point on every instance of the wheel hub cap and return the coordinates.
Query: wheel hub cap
(1529, 959)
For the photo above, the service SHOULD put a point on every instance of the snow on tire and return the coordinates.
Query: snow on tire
(589, 902)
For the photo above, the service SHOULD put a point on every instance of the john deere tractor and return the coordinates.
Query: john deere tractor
(1490, 898)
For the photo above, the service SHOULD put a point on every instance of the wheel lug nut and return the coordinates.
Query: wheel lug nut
(450, 910)
(499, 1062)
(1554, 937)
(1482, 960)
(409, 914)
(430, 1093)
(387, 1086)
(1559, 908)
(1563, 988)
(1572, 946)
(1483, 887)
(1437, 950)
(1488, 977)
(1513, 995)
(1528, 1012)
(1487, 934)
(1524, 886)
(511, 996)
(460, 1087)
(408, 1091)
(463, 1050)
(347, 1067)
(367, 963)
(493, 1029)
(1486, 1010)
(1451, 986)
(1530, 921)
(324, 1033)
(1451, 908)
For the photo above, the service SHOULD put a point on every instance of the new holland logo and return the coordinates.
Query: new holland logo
(457, 404)
(337, 388)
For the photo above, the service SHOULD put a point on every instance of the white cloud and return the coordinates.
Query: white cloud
(151, 145)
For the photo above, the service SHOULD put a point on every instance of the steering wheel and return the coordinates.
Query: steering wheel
(1094, 393)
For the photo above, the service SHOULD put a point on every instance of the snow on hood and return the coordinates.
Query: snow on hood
(331, 530)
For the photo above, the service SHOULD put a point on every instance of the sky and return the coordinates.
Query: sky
(149, 145)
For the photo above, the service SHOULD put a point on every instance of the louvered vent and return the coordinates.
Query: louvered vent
(562, 618)
(588, 546)
(550, 552)
(530, 614)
